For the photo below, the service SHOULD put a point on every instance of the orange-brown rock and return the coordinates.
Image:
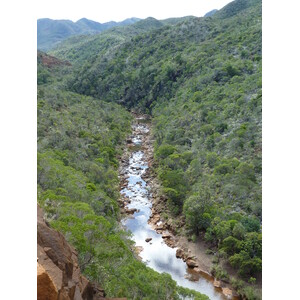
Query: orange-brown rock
(50, 61)
(227, 292)
(191, 263)
(180, 253)
(58, 273)
(131, 210)
(45, 285)
(166, 235)
(160, 227)
(170, 242)
(154, 219)
(217, 283)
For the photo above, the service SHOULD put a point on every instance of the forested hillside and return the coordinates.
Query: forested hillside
(200, 79)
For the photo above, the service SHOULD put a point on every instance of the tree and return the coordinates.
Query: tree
(231, 245)
(197, 210)
(239, 231)
(164, 151)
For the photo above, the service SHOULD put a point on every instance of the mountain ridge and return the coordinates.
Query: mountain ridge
(51, 32)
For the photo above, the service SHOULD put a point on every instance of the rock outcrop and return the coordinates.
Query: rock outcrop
(58, 273)
(46, 286)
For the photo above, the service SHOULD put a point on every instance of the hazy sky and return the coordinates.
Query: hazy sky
(118, 10)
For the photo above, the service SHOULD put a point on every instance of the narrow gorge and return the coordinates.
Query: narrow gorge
(149, 156)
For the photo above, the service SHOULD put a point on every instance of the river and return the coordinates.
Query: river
(156, 254)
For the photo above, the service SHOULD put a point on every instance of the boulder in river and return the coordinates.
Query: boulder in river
(148, 239)
(171, 243)
(227, 292)
(217, 283)
(160, 227)
(180, 253)
(130, 210)
(166, 235)
(191, 263)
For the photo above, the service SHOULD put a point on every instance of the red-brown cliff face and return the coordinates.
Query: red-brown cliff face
(58, 273)
(50, 61)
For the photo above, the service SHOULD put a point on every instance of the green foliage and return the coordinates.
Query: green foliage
(239, 231)
(245, 291)
(175, 183)
(230, 245)
(247, 266)
(164, 151)
(251, 223)
(197, 210)
(91, 187)
(223, 169)
(219, 273)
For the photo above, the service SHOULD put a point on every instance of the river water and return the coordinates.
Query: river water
(156, 254)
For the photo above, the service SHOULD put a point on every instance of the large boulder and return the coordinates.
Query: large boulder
(227, 292)
(166, 235)
(180, 253)
(45, 286)
(191, 263)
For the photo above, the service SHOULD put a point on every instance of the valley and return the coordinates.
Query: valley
(154, 244)
(150, 154)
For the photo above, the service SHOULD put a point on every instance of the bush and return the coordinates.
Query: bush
(164, 151)
(231, 245)
(219, 273)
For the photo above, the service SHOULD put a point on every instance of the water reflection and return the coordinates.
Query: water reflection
(156, 254)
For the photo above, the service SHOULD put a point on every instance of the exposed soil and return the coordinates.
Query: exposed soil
(50, 61)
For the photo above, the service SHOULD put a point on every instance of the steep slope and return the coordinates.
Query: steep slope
(51, 32)
(210, 13)
(234, 7)
(170, 54)
(83, 51)
(58, 273)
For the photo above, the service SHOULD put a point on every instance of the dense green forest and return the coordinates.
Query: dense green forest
(200, 79)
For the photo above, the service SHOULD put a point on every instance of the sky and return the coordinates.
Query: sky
(118, 10)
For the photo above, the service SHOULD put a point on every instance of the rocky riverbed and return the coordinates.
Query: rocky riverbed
(156, 242)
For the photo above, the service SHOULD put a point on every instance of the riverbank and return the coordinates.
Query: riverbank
(194, 254)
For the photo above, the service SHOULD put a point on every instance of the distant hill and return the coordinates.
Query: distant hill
(174, 21)
(51, 32)
(149, 23)
(74, 48)
(235, 7)
(210, 13)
